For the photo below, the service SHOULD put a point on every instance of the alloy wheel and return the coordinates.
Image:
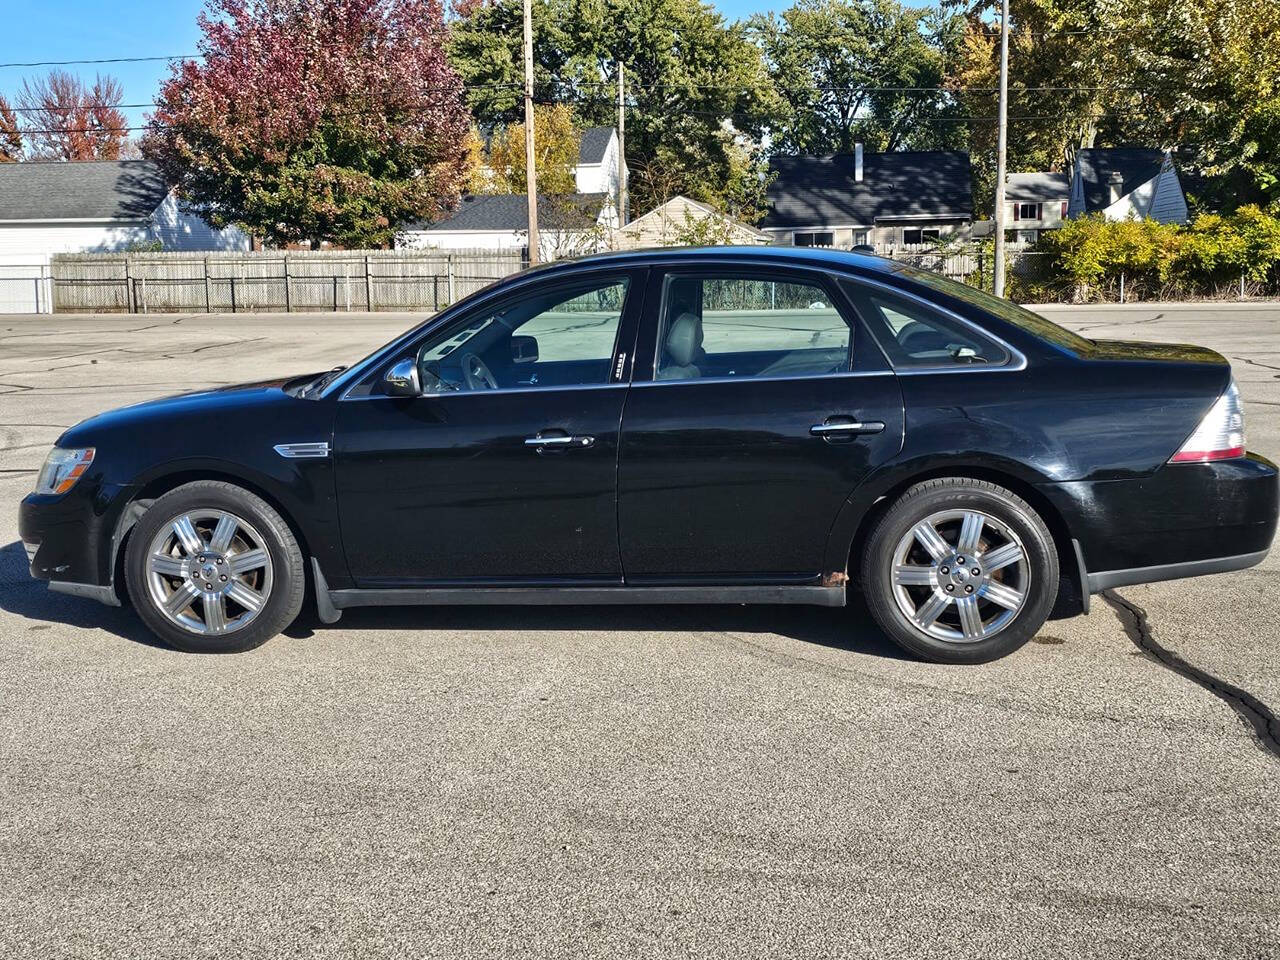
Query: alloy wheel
(209, 572)
(960, 575)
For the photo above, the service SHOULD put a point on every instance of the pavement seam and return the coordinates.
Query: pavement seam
(1260, 717)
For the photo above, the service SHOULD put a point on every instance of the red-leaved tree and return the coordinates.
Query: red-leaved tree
(65, 120)
(10, 137)
(315, 120)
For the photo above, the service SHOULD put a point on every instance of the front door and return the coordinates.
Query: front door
(504, 469)
(763, 413)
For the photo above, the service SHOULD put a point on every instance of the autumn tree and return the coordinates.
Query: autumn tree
(555, 144)
(10, 136)
(315, 120)
(63, 119)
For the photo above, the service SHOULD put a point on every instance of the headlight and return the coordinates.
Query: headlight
(62, 468)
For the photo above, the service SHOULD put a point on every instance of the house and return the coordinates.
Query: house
(1127, 181)
(568, 225)
(48, 208)
(684, 221)
(97, 206)
(597, 169)
(1034, 202)
(899, 200)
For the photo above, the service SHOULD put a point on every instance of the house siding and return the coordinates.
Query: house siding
(1169, 205)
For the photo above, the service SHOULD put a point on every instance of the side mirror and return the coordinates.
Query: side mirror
(402, 380)
(524, 349)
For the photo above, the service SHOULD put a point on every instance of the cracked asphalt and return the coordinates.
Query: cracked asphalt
(710, 781)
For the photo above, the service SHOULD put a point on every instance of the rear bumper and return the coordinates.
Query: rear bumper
(1185, 520)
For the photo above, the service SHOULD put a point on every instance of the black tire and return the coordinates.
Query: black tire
(283, 602)
(928, 499)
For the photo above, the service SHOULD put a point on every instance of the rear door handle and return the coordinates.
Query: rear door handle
(846, 428)
(558, 442)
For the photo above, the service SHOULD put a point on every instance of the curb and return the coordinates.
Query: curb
(1178, 305)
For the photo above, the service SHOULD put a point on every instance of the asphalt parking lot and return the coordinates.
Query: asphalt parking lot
(709, 781)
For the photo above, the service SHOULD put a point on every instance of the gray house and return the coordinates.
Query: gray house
(900, 200)
(1120, 182)
(1035, 202)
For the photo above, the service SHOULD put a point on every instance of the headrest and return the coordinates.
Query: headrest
(684, 339)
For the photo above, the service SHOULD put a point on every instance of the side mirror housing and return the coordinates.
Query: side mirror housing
(524, 349)
(402, 380)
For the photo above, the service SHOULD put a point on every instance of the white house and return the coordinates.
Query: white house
(90, 207)
(597, 169)
(1035, 202)
(1127, 181)
(568, 226)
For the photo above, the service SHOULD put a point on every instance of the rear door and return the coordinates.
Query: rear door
(757, 409)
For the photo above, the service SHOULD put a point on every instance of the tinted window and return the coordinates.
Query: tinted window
(741, 326)
(914, 335)
(549, 338)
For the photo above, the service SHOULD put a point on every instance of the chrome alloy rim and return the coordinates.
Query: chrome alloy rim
(960, 575)
(209, 572)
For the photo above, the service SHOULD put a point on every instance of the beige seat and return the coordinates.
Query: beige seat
(682, 348)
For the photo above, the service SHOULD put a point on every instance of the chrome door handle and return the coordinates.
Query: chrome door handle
(847, 427)
(559, 441)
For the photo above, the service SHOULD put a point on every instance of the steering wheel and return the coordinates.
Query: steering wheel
(476, 375)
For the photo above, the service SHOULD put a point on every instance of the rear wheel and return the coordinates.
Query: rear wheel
(960, 571)
(212, 568)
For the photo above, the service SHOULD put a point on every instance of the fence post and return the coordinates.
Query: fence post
(1242, 285)
(452, 298)
(288, 297)
(208, 299)
(144, 294)
(38, 293)
(1122, 286)
(335, 293)
(368, 285)
(128, 287)
(346, 287)
(233, 293)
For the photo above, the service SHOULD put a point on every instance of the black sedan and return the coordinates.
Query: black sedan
(716, 425)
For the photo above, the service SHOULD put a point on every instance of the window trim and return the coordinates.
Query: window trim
(742, 270)
(1015, 360)
(411, 341)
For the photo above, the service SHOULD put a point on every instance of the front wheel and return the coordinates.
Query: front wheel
(960, 571)
(212, 568)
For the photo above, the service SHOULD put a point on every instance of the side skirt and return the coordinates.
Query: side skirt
(544, 596)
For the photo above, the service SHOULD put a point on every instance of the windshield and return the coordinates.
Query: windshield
(1032, 323)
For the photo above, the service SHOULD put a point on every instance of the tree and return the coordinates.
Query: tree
(10, 136)
(555, 144)
(65, 120)
(698, 93)
(826, 57)
(315, 120)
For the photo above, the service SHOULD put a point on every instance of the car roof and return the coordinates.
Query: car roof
(819, 257)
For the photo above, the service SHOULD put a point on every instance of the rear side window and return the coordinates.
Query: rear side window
(745, 326)
(915, 335)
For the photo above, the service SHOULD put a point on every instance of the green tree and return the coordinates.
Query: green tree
(830, 61)
(698, 93)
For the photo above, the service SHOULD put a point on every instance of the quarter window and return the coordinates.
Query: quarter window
(914, 335)
(740, 326)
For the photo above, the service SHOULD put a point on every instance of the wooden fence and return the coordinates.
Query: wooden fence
(274, 280)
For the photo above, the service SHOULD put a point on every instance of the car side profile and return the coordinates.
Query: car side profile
(712, 425)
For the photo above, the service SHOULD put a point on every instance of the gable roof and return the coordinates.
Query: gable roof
(1131, 167)
(818, 191)
(682, 203)
(96, 190)
(502, 211)
(1034, 187)
(595, 141)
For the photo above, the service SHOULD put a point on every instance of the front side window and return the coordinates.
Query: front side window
(742, 326)
(914, 335)
(564, 336)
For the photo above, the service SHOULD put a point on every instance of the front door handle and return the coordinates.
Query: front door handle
(559, 441)
(845, 428)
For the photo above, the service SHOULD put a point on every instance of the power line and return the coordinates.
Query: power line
(73, 63)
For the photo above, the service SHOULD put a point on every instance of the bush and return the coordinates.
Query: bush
(1089, 255)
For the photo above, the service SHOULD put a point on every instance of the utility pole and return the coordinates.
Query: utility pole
(1001, 147)
(531, 173)
(622, 149)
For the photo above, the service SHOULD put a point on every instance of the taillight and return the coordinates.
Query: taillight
(1220, 435)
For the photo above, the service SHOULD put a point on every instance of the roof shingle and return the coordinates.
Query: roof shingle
(97, 190)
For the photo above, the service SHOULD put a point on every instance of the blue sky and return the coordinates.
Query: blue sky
(93, 29)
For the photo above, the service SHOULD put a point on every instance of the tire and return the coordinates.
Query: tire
(984, 615)
(242, 591)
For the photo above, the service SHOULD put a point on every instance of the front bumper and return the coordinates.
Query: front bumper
(1184, 520)
(70, 540)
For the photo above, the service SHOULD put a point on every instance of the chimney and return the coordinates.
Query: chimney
(857, 162)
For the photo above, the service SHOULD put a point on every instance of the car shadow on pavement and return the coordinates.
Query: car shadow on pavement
(849, 628)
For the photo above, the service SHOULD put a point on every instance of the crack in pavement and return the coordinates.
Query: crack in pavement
(1265, 724)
